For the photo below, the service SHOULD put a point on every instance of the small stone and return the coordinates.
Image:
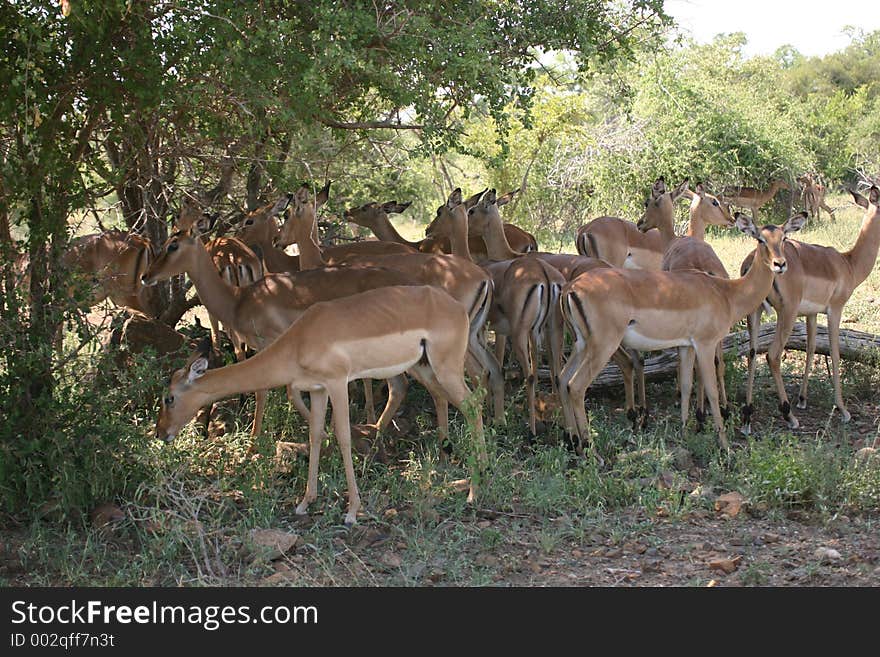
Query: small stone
(273, 543)
(826, 555)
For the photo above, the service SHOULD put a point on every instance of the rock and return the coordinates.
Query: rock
(105, 515)
(725, 565)
(682, 459)
(273, 543)
(866, 454)
(140, 332)
(486, 560)
(729, 504)
(391, 560)
(827, 555)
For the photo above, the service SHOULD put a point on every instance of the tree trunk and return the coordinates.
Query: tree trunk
(854, 345)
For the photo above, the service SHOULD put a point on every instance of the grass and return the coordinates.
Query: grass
(188, 523)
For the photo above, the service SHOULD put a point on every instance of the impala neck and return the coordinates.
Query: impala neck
(696, 225)
(305, 234)
(863, 255)
(385, 231)
(217, 295)
(259, 372)
(747, 292)
(497, 246)
(459, 236)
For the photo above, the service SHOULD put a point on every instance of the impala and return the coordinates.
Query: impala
(692, 252)
(649, 310)
(375, 217)
(819, 279)
(751, 198)
(113, 262)
(421, 330)
(813, 196)
(260, 312)
(462, 279)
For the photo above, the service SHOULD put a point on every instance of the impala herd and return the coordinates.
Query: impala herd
(384, 308)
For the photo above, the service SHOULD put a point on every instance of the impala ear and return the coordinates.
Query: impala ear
(280, 206)
(504, 200)
(205, 223)
(659, 187)
(488, 198)
(393, 207)
(874, 195)
(745, 224)
(301, 197)
(795, 223)
(197, 369)
(324, 194)
(679, 191)
(699, 189)
(454, 198)
(859, 199)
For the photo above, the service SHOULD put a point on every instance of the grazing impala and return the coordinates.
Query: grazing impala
(260, 312)
(420, 330)
(649, 310)
(819, 279)
(753, 199)
(113, 263)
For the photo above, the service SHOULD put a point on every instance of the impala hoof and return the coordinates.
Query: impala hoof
(746, 429)
(350, 519)
(802, 402)
(845, 416)
(302, 509)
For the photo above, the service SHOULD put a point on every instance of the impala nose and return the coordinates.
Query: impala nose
(779, 266)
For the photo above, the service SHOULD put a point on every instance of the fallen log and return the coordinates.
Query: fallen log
(854, 345)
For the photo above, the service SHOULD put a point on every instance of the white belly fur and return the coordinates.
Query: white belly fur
(632, 339)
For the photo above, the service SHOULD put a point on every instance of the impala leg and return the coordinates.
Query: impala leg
(425, 376)
(639, 374)
(368, 401)
(215, 332)
(489, 365)
(294, 398)
(524, 350)
(456, 390)
(596, 355)
(338, 392)
(686, 357)
(259, 409)
(555, 341)
(564, 387)
(834, 338)
(397, 387)
(706, 363)
(500, 348)
(624, 362)
(811, 349)
(316, 416)
(720, 368)
(784, 325)
(753, 321)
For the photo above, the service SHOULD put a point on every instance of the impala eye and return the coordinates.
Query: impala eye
(249, 222)
(169, 400)
(715, 203)
(172, 247)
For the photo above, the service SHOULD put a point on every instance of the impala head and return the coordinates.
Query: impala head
(260, 226)
(709, 208)
(177, 257)
(771, 238)
(449, 215)
(182, 399)
(660, 208)
(871, 202)
(485, 212)
(301, 211)
(370, 214)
